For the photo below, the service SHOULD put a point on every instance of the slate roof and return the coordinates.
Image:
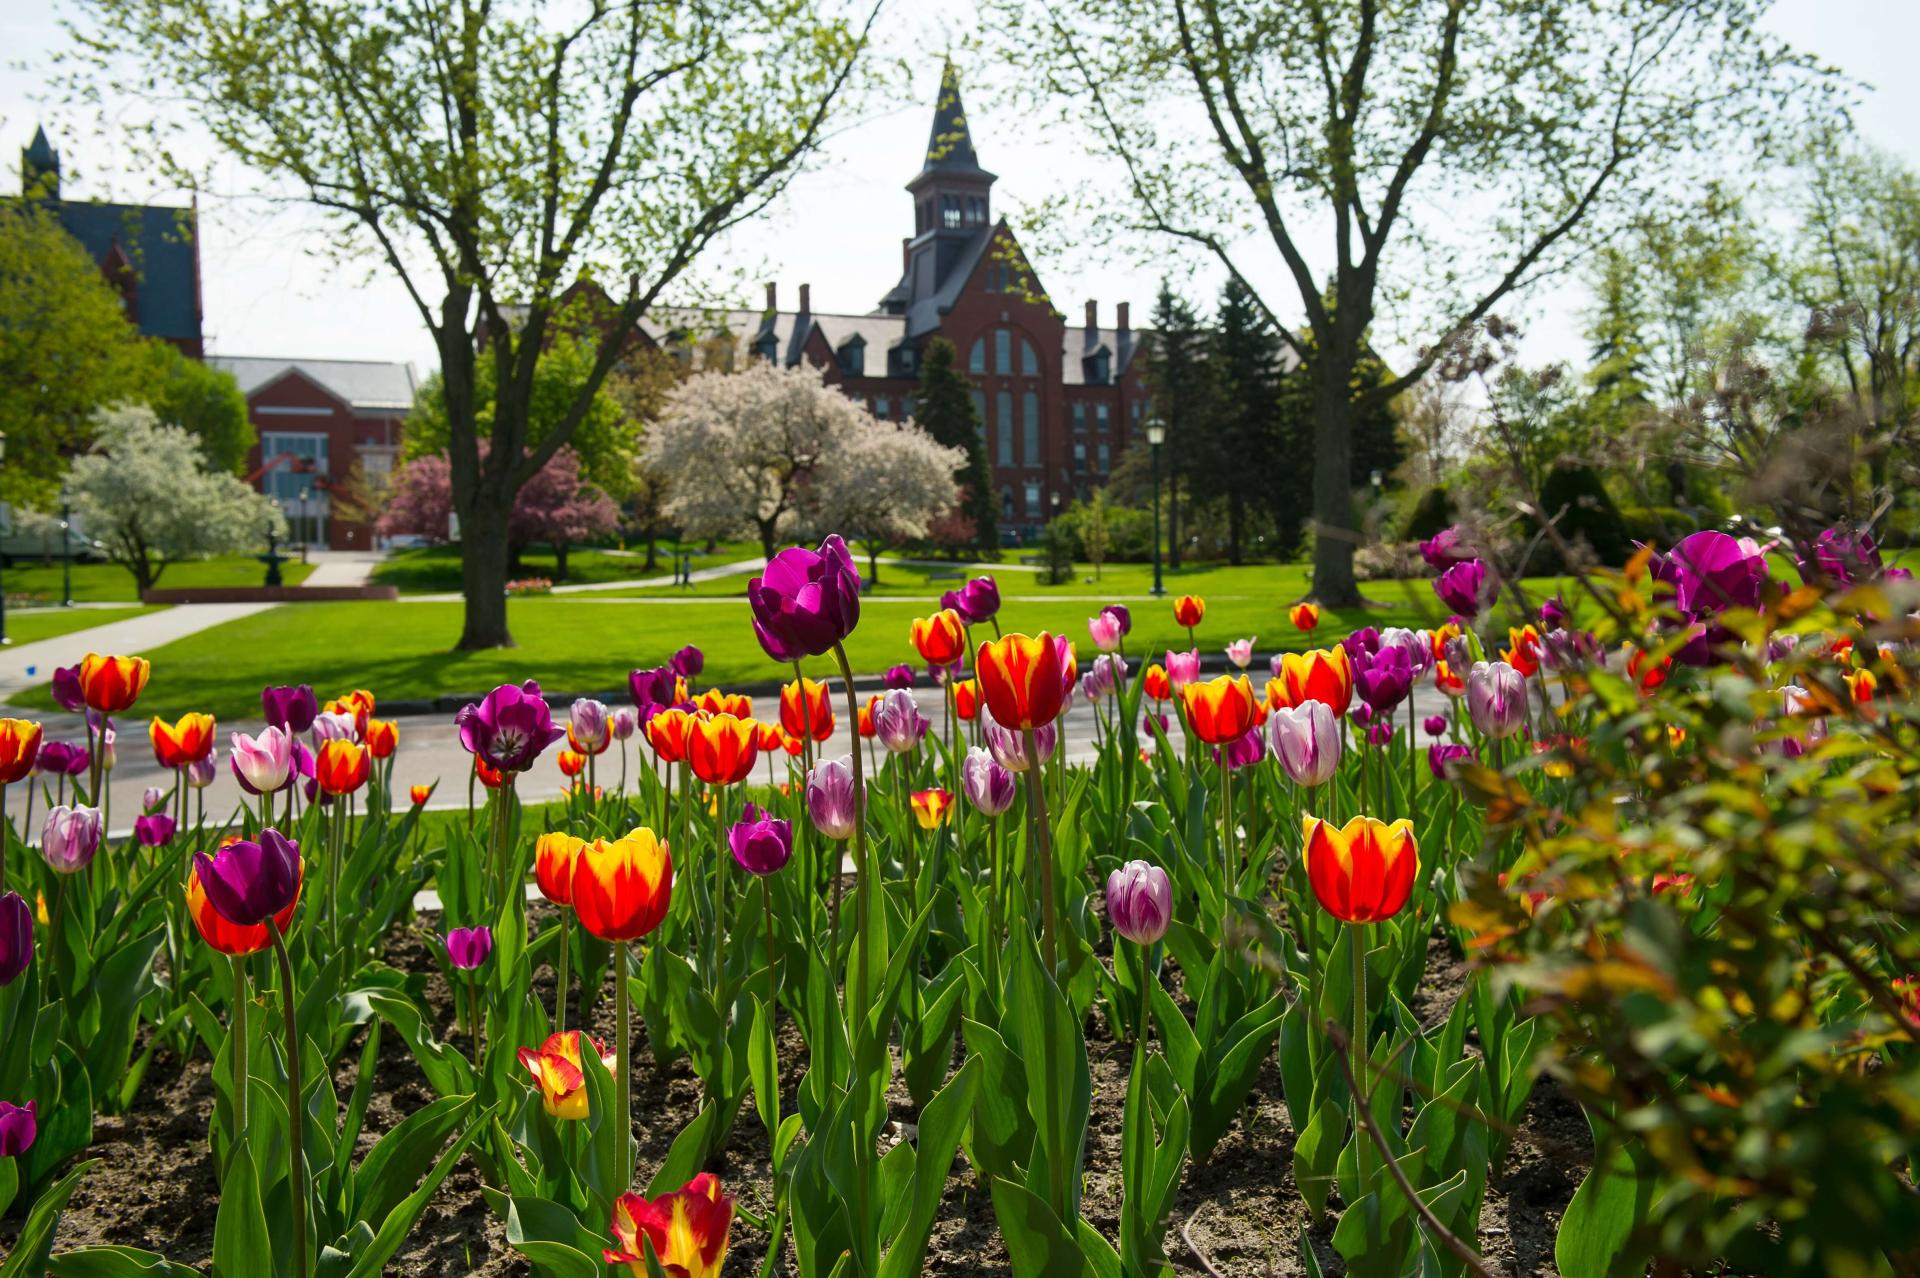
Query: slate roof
(950, 143)
(366, 385)
(158, 243)
(1082, 342)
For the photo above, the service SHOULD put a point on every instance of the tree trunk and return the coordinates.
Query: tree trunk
(653, 557)
(1334, 539)
(560, 549)
(483, 576)
(766, 536)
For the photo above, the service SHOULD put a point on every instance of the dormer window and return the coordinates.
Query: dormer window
(1098, 367)
(853, 356)
(902, 359)
(767, 346)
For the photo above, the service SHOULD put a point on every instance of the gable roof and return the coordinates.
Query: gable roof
(158, 243)
(365, 385)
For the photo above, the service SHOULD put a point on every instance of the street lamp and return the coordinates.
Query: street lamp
(1156, 436)
(66, 547)
(306, 522)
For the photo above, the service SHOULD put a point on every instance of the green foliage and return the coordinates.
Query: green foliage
(1433, 512)
(1577, 501)
(943, 407)
(1128, 532)
(204, 401)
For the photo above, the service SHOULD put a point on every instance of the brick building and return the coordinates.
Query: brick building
(325, 425)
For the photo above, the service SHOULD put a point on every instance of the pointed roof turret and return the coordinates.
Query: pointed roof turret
(950, 145)
(39, 167)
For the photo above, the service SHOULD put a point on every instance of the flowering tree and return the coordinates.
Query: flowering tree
(886, 483)
(555, 506)
(144, 489)
(738, 450)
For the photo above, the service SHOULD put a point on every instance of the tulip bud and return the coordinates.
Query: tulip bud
(469, 947)
(18, 1126)
(1010, 748)
(331, 725)
(1435, 724)
(1182, 668)
(1496, 699)
(830, 797)
(898, 723)
(16, 937)
(1105, 631)
(587, 722)
(760, 844)
(1240, 652)
(1306, 739)
(201, 772)
(1139, 902)
(987, 781)
(1440, 754)
(250, 882)
(687, 662)
(900, 676)
(154, 829)
(152, 797)
(623, 722)
(70, 837)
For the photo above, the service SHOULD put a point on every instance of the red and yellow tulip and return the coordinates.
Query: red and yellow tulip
(112, 684)
(419, 794)
(1324, 675)
(1189, 610)
(341, 767)
(572, 763)
(714, 701)
(621, 887)
(383, 737)
(1220, 710)
(189, 740)
(688, 1230)
(966, 699)
(932, 808)
(722, 748)
(806, 709)
(1024, 679)
(940, 639)
(1156, 684)
(1364, 871)
(1304, 616)
(19, 747)
(233, 938)
(667, 733)
(1523, 650)
(560, 1072)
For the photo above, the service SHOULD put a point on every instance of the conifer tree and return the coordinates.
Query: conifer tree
(944, 409)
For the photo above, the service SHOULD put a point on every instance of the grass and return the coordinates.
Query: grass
(110, 583)
(51, 623)
(584, 643)
(436, 569)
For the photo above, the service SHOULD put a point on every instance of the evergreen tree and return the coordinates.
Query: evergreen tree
(1232, 463)
(1180, 377)
(944, 409)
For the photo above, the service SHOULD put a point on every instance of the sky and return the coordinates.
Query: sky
(839, 228)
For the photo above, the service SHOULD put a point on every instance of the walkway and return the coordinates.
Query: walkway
(738, 568)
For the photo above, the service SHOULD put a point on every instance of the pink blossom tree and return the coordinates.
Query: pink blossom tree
(555, 506)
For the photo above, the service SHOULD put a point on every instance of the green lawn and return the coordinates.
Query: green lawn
(436, 569)
(50, 623)
(579, 643)
(110, 583)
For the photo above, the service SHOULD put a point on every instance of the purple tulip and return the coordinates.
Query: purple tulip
(1109, 669)
(806, 602)
(66, 689)
(761, 845)
(623, 722)
(979, 601)
(830, 801)
(263, 764)
(1711, 571)
(1841, 556)
(469, 947)
(153, 830)
(1435, 724)
(1361, 645)
(988, 784)
(1380, 732)
(1496, 698)
(1565, 649)
(1306, 739)
(1417, 644)
(16, 937)
(1463, 587)
(510, 727)
(1243, 751)
(652, 690)
(59, 758)
(291, 707)
(1444, 549)
(1554, 614)
(19, 1124)
(588, 720)
(898, 723)
(1139, 902)
(1010, 747)
(248, 883)
(70, 837)
(1120, 614)
(1165, 721)
(330, 725)
(1182, 668)
(1440, 754)
(900, 676)
(1387, 679)
(687, 662)
(152, 797)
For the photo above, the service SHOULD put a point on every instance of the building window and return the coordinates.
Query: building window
(1006, 503)
(1029, 359)
(882, 408)
(980, 415)
(1105, 457)
(1030, 419)
(1002, 351)
(950, 211)
(306, 456)
(853, 358)
(977, 356)
(1080, 418)
(1100, 417)
(1079, 457)
(1033, 501)
(1003, 425)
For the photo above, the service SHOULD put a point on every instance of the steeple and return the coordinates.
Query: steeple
(952, 203)
(950, 145)
(40, 168)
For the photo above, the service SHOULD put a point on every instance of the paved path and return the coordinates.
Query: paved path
(737, 568)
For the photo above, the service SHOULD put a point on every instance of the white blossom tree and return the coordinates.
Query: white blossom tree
(145, 491)
(886, 483)
(738, 450)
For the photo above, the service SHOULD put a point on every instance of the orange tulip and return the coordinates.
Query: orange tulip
(940, 639)
(721, 749)
(806, 709)
(558, 1068)
(1364, 872)
(686, 1229)
(19, 747)
(1646, 673)
(866, 716)
(490, 776)
(233, 938)
(1323, 675)
(554, 856)
(383, 737)
(1156, 684)
(1446, 680)
(572, 763)
(111, 684)
(1188, 610)
(358, 705)
(1304, 616)
(1023, 678)
(714, 701)
(767, 737)
(1220, 710)
(175, 745)
(420, 794)
(341, 767)
(667, 733)
(621, 887)
(932, 808)
(1523, 650)
(791, 744)
(966, 698)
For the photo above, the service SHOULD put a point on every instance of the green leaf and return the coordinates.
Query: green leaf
(763, 1064)
(394, 1166)
(29, 1256)
(688, 1152)
(1036, 1243)
(1596, 1238)
(115, 1262)
(399, 1222)
(941, 1125)
(552, 1237)
(241, 1243)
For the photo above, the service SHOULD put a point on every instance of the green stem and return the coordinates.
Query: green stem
(1357, 1046)
(561, 986)
(1227, 858)
(296, 1152)
(336, 826)
(1056, 1165)
(994, 906)
(863, 880)
(239, 1033)
(719, 895)
(773, 993)
(1146, 985)
(622, 1031)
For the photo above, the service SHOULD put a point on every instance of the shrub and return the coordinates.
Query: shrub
(1433, 512)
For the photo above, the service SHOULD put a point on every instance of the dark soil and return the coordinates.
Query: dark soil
(155, 1187)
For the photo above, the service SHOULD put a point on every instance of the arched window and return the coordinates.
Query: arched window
(1003, 425)
(1029, 359)
(1003, 351)
(1030, 419)
(977, 357)
(980, 414)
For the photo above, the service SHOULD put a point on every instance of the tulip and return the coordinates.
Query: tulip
(1386, 679)
(112, 684)
(469, 947)
(1108, 672)
(966, 699)
(1440, 754)
(1009, 748)
(509, 728)
(865, 726)
(652, 690)
(16, 936)
(1463, 588)
(153, 830)
(1182, 668)
(335, 725)
(621, 887)
(1435, 725)
(357, 706)
(721, 748)
(1104, 630)
(19, 1124)
(1416, 644)
(687, 1230)
(1139, 902)
(900, 676)
(555, 855)
(1240, 651)
(714, 701)
(1380, 732)
(589, 726)
(687, 662)
(1496, 699)
(1364, 872)
(341, 767)
(898, 723)
(248, 882)
(1188, 610)
(1219, 710)
(19, 748)
(1155, 682)
(262, 764)
(1304, 616)
(151, 798)
(1242, 752)
(1523, 650)
(383, 738)
(491, 777)
(1840, 557)
(1306, 739)
(806, 709)
(806, 602)
(572, 763)
(932, 808)
(1323, 674)
(1024, 679)
(1554, 613)
(940, 639)
(622, 723)
(1443, 549)
(830, 797)
(66, 689)
(59, 758)
(291, 708)
(761, 845)
(988, 783)
(668, 733)
(556, 1069)
(1711, 571)
(221, 933)
(419, 794)
(70, 837)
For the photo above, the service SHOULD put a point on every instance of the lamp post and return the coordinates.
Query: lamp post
(306, 521)
(1156, 436)
(66, 547)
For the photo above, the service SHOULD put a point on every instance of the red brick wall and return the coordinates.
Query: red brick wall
(320, 413)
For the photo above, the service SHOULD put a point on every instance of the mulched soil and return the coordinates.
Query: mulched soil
(155, 1186)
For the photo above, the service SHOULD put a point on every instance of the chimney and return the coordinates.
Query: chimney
(773, 297)
(1121, 323)
(806, 299)
(1093, 316)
